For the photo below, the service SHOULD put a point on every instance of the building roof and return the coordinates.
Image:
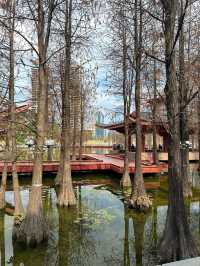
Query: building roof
(146, 124)
(19, 109)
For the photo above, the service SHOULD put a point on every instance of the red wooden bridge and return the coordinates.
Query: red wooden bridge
(93, 162)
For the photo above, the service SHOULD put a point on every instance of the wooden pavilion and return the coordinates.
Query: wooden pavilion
(146, 126)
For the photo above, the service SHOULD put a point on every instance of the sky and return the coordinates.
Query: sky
(106, 102)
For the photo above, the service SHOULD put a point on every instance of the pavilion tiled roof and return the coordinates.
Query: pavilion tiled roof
(19, 109)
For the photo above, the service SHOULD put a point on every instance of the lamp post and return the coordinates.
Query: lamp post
(30, 143)
(49, 143)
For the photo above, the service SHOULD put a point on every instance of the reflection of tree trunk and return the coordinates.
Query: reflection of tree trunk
(52, 250)
(2, 249)
(154, 235)
(177, 242)
(126, 239)
(139, 225)
(64, 238)
(187, 208)
(80, 201)
(3, 185)
(199, 217)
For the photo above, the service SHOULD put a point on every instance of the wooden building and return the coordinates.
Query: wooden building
(161, 126)
(147, 128)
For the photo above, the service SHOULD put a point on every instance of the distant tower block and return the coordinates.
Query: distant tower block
(99, 120)
(35, 88)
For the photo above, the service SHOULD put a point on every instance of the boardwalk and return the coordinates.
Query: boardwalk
(188, 262)
(94, 162)
(116, 165)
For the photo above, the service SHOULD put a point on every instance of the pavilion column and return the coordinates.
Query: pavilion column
(165, 142)
(193, 141)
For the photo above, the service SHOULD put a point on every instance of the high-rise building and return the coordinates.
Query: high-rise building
(35, 88)
(55, 82)
(99, 132)
(75, 96)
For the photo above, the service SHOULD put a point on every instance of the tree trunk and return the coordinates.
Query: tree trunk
(125, 181)
(60, 170)
(155, 152)
(62, 84)
(19, 210)
(76, 111)
(81, 124)
(33, 229)
(198, 107)
(139, 198)
(66, 194)
(199, 124)
(184, 131)
(74, 135)
(12, 118)
(177, 242)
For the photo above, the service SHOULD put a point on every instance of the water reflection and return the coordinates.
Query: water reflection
(126, 238)
(2, 252)
(100, 230)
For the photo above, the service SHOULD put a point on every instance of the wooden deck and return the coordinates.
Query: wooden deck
(117, 165)
(188, 262)
(95, 162)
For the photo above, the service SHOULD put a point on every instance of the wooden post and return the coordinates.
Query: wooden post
(165, 142)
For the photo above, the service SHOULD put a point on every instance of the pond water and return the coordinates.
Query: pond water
(98, 231)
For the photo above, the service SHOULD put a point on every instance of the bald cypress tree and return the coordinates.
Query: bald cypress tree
(177, 242)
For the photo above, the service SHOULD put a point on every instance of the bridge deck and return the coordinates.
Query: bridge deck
(95, 162)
